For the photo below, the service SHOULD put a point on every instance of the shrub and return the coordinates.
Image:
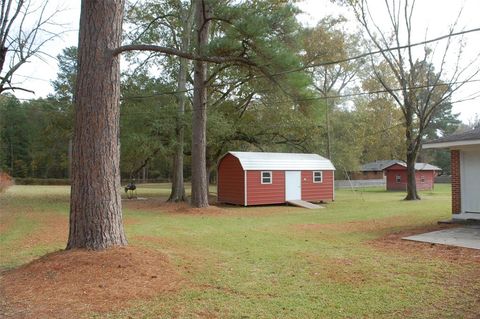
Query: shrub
(5, 181)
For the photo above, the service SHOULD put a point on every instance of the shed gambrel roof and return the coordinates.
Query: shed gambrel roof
(471, 137)
(419, 166)
(254, 161)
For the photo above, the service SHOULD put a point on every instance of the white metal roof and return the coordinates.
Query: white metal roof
(254, 161)
(419, 166)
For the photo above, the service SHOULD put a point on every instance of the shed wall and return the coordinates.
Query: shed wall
(398, 170)
(231, 185)
(317, 191)
(262, 194)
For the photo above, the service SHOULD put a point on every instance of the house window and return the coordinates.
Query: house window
(398, 179)
(266, 178)
(317, 177)
(422, 179)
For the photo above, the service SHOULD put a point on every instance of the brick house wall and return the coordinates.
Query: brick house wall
(456, 189)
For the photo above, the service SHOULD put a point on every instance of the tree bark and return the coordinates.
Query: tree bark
(199, 118)
(178, 188)
(69, 155)
(411, 155)
(95, 205)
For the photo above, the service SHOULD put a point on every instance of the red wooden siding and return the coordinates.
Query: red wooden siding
(398, 170)
(262, 194)
(231, 186)
(316, 192)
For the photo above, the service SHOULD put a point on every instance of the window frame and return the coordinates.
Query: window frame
(270, 177)
(321, 177)
(398, 179)
(422, 179)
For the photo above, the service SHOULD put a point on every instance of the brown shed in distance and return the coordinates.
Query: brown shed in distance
(397, 176)
(258, 178)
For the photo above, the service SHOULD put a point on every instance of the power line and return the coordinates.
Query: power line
(307, 99)
(337, 96)
(363, 55)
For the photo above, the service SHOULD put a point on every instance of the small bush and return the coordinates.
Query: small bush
(5, 181)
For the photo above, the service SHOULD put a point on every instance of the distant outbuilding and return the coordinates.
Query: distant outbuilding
(373, 170)
(259, 178)
(465, 167)
(396, 175)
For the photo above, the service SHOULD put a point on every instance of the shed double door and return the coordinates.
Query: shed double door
(470, 179)
(293, 185)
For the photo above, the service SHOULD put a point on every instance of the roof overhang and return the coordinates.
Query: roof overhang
(254, 161)
(418, 167)
(451, 144)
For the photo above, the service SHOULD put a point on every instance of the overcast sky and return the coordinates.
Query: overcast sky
(432, 19)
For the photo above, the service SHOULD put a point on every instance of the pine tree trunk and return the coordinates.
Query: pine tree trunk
(199, 118)
(70, 150)
(95, 205)
(178, 188)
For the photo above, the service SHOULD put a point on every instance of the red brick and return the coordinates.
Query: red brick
(456, 189)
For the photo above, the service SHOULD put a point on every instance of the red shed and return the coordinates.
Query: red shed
(258, 178)
(397, 176)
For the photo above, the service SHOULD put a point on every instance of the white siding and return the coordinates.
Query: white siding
(470, 180)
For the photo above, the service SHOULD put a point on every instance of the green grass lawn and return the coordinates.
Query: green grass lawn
(275, 261)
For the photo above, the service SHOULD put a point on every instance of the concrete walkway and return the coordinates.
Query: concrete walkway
(466, 236)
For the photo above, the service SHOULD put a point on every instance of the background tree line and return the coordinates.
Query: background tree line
(303, 111)
(36, 134)
(238, 75)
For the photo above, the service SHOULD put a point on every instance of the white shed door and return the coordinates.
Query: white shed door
(293, 185)
(470, 180)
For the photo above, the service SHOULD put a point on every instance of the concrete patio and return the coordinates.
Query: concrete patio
(465, 236)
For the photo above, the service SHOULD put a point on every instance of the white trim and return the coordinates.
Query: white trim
(398, 179)
(261, 177)
(321, 177)
(245, 188)
(465, 216)
(452, 144)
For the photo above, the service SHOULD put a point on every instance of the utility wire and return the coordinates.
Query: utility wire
(302, 99)
(328, 96)
(313, 65)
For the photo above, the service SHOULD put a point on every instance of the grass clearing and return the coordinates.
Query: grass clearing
(345, 261)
